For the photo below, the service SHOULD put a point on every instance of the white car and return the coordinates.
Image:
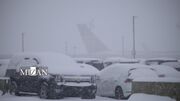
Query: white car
(90, 69)
(174, 63)
(116, 80)
(95, 62)
(165, 71)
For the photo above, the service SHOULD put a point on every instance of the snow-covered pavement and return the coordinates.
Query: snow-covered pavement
(134, 97)
(36, 98)
(147, 97)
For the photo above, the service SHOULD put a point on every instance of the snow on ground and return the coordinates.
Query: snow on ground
(147, 97)
(134, 97)
(8, 97)
(36, 98)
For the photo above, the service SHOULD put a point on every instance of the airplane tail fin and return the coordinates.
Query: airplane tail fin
(92, 43)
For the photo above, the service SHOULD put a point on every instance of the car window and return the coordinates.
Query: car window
(142, 72)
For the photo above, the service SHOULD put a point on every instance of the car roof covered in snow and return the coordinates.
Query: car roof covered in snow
(172, 64)
(166, 70)
(57, 63)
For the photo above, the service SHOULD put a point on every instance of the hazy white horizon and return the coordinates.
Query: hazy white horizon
(50, 24)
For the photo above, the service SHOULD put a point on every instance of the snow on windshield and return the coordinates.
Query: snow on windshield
(142, 72)
(166, 70)
(172, 64)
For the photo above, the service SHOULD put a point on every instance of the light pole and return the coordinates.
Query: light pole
(134, 39)
(122, 38)
(66, 48)
(75, 50)
(22, 45)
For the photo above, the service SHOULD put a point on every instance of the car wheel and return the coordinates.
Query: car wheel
(87, 94)
(119, 93)
(93, 96)
(53, 94)
(61, 95)
(43, 92)
(14, 89)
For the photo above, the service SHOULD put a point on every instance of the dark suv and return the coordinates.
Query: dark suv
(64, 78)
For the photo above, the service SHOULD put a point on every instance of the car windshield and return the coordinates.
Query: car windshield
(172, 64)
(142, 72)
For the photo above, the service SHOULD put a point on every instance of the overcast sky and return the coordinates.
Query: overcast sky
(49, 24)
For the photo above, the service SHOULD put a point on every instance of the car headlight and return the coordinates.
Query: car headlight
(58, 78)
(93, 79)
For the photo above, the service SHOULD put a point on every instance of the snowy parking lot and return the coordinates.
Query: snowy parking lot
(36, 98)
(134, 97)
(8, 97)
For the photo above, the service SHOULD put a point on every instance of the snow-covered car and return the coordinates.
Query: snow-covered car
(174, 63)
(3, 66)
(96, 62)
(114, 60)
(116, 79)
(64, 78)
(90, 69)
(165, 71)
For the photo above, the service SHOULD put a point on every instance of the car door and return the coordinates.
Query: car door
(107, 82)
(32, 83)
(111, 81)
(108, 86)
(103, 83)
(28, 83)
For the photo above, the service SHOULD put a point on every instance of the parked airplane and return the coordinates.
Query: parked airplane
(96, 48)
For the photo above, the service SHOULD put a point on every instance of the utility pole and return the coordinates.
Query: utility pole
(66, 48)
(22, 43)
(122, 38)
(134, 41)
(75, 50)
